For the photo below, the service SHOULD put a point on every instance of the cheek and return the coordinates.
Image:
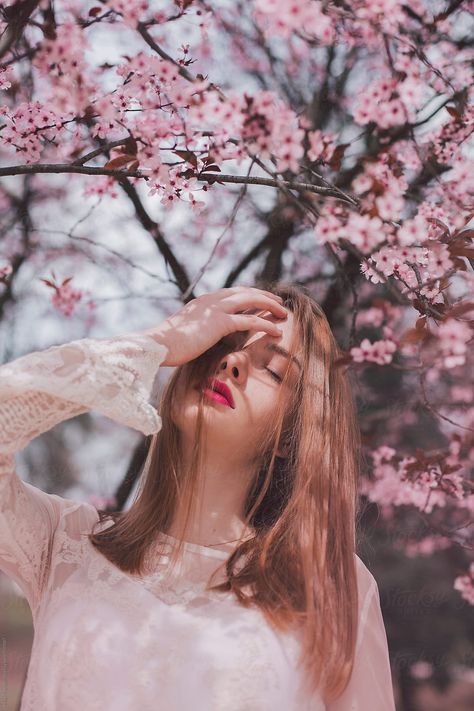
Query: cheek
(262, 410)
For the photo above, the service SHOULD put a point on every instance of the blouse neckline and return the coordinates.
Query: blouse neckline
(197, 548)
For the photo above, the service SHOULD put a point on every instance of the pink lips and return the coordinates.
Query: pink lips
(218, 391)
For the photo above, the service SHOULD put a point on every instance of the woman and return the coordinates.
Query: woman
(232, 582)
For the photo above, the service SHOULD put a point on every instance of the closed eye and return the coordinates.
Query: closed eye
(274, 375)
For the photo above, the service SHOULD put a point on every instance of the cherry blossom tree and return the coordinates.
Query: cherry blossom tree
(321, 141)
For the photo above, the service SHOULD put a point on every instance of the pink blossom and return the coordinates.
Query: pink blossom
(412, 232)
(6, 75)
(421, 670)
(377, 352)
(101, 186)
(365, 232)
(465, 585)
(283, 18)
(453, 339)
(132, 11)
(5, 272)
(426, 546)
(393, 487)
(321, 145)
(389, 206)
(370, 317)
(65, 299)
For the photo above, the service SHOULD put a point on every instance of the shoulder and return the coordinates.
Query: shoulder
(77, 516)
(366, 583)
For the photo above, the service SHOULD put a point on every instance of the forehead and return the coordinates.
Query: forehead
(289, 332)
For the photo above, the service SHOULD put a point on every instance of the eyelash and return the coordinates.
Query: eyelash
(274, 375)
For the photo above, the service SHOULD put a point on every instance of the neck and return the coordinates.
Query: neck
(217, 516)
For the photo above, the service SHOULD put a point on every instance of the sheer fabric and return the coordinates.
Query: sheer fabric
(107, 639)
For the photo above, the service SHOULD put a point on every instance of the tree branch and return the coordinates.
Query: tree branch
(203, 177)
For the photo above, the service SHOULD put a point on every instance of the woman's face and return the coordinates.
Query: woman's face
(252, 373)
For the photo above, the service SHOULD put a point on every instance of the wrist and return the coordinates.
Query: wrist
(160, 334)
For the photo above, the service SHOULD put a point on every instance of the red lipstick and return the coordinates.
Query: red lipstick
(218, 391)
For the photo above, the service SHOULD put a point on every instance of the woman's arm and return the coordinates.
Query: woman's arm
(113, 376)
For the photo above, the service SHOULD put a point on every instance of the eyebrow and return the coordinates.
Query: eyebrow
(281, 351)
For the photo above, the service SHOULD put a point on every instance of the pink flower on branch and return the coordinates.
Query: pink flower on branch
(453, 339)
(380, 352)
(465, 585)
(65, 297)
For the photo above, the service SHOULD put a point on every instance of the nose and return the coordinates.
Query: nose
(235, 363)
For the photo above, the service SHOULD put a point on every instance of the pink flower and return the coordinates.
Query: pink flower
(465, 585)
(365, 232)
(413, 231)
(6, 74)
(377, 352)
(65, 299)
(453, 338)
(321, 146)
(421, 670)
(5, 273)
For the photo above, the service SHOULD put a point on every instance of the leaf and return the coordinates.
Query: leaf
(459, 264)
(211, 167)
(453, 112)
(460, 309)
(48, 283)
(420, 323)
(211, 180)
(413, 335)
(465, 234)
(441, 225)
(66, 281)
(130, 146)
(337, 156)
(118, 162)
(94, 11)
(188, 156)
(188, 173)
(461, 250)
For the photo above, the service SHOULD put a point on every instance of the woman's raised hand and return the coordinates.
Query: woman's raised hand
(206, 319)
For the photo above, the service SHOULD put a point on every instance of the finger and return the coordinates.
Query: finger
(260, 291)
(259, 302)
(243, 322)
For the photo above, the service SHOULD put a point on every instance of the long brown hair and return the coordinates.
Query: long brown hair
(299, 568)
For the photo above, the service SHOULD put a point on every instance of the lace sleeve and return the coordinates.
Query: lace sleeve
(112, 376)
(370, 685)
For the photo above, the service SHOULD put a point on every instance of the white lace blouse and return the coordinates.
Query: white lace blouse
(104, 639)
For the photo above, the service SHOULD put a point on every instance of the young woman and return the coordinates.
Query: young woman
(232, 582)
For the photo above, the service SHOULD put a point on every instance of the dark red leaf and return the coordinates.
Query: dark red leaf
(460, 309)
(438, 223)
(188, 156)
(49, 283)
(453, 112)
(118, 162)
